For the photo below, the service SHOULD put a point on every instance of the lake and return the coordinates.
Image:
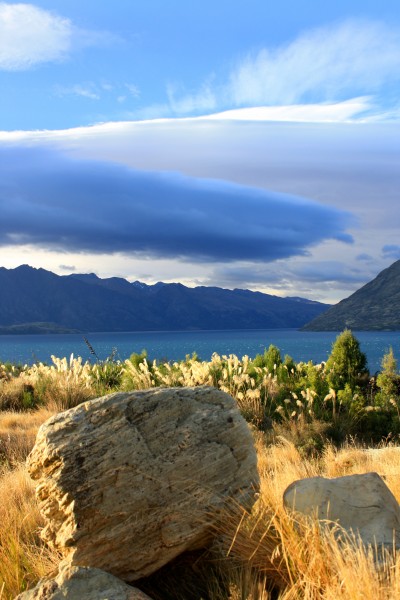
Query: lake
(175, 345)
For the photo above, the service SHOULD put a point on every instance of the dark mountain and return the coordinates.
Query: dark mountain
(33, 300)
(375, 306)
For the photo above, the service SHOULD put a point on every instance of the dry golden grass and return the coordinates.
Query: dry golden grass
(12, 392)
(263, 555)
(385, 461)
(23, 557)
(18, 432)
(297, 557)
(262, 551)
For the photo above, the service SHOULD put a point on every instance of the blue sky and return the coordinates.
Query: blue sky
(214, 143)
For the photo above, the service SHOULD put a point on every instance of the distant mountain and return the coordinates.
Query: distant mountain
(36, 300)
(375, 306)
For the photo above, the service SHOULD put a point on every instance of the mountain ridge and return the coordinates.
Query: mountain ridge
(374, 306)
(30, 297)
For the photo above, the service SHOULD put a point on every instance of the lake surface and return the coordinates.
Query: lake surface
(175, 345)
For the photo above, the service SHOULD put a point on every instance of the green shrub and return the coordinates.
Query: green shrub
(346, 363)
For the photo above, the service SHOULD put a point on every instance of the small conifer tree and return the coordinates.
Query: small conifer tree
(346, 363)
(388, 379)
(272, 358)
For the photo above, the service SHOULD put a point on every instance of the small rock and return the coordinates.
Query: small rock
(82, 583)
(359, 503)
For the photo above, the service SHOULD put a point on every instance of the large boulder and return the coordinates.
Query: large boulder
(362, 504)
(82, 583)
(129, 481)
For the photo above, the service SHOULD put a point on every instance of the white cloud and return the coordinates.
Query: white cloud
(96, 91)
(354, 57)
(30, 35)
(204, 99)
(87, 90)
(356, 61)
(133, 89)
(300, 113)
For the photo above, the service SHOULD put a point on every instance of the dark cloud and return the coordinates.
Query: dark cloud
(364, 257)
(67, 267)
(56, 202)
(391, 251)
(343, 164)
(326, 271)
(330, 271)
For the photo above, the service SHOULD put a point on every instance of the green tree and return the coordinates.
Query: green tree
(388, 378)
(346, 363)
(271, 359)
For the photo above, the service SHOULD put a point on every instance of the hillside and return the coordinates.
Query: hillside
(375, 306)
(38, 300)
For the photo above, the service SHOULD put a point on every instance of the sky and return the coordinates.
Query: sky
(234, 144)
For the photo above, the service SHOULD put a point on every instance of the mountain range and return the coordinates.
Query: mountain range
(39, 301)
(375, 306)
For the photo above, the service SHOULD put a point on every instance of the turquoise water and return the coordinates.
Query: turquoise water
(175, 345)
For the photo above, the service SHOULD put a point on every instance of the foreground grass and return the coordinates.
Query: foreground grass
(259, 556)
(300, 425)
(23, 557)
(303, 560)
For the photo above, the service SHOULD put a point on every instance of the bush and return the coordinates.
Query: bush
(346, 363)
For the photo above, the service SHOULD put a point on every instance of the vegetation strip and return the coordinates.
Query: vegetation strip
(307, 420)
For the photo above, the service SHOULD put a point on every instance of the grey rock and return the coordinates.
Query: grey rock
(360, 504)
(82, 583)
(129, 481)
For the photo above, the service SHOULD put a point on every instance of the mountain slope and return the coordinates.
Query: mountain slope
(34, 298)
(375, 306)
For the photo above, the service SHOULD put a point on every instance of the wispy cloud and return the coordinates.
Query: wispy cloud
(85, 90)
(133, 89)
(182, 103)
(300, 113)
(55, 202)
(329, 63)
(129, 91)
(30, 35)
(97, 91)
(332, 64)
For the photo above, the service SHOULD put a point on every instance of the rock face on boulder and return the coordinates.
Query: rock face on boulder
(359, 503)
(129, 481)
(82, 583)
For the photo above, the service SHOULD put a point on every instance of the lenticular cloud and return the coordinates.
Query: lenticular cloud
(52, 201)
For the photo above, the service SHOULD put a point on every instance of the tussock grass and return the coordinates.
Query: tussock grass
(15, 393)
(267, 554)
(292, 557)
(263, 555)
(17, 434)
(23, 557)
(64, 384)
